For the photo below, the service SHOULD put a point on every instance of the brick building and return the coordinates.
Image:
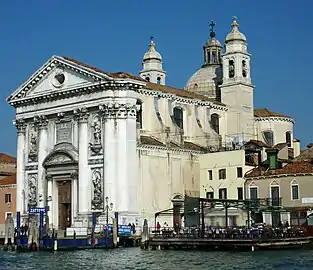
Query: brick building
(7, 188)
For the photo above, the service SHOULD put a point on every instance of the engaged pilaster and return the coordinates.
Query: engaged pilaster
(82, 117)
(20, 166)
(42, 124)
(75, 202)
(120, 159)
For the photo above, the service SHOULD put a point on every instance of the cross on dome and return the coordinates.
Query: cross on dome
(235, 24)
(212, 33)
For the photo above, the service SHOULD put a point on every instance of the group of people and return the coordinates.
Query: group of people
(242, 232)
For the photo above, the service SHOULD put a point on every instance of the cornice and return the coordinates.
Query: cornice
(274, 118)
(75, 91)
(180, 99)
(278, 176)
(167, 149)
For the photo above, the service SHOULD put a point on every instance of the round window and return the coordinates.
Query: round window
(58, 80)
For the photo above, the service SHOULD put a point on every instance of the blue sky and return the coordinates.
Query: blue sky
(114, 35)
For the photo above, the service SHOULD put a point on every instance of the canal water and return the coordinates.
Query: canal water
(135, 258)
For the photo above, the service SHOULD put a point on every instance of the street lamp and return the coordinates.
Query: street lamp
(107, 208)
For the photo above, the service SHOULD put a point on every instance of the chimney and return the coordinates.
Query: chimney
(272, 158)
(296, 147)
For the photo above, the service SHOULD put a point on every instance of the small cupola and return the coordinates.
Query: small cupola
(212, 49)
(152, 65)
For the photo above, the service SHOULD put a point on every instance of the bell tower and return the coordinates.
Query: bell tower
(237, 88)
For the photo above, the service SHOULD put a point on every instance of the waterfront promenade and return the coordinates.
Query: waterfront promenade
(230, 238)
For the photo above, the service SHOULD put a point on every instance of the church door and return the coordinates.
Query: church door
(65, 204)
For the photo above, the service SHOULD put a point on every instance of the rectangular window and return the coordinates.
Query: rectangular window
(239, 172)
(210, 173)
(7, 198)
(275, 196)
(240, 193)
(222, 193)
(210, 195)
(253, 193)
(222, 173)
(179, 117)
(295, 192)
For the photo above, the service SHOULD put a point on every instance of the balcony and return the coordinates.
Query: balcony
(266, 202)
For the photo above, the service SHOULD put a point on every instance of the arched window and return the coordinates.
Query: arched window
(214, 57)
(179, 117)
(231, 69)
(148, 79)
(294, 190)
(268, 137)
(288, 138)
(139, 114)
(215, 123)
(158, 80)
(244, 68)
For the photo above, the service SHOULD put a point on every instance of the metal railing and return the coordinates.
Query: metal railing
(229, 233)
(265, 202)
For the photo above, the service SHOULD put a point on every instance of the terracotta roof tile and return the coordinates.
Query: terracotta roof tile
(280, 146)
(305, 154)
(294, 167)
(4, 158)
(10, 180)
(149, 85)
(258, 143)
(193, 146)
(150, 141)
(180, 92)
(267, 113)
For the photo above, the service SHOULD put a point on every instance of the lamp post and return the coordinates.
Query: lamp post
(108, 206)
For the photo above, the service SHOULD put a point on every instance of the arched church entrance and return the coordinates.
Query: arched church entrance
(61, 174)
(177, 201)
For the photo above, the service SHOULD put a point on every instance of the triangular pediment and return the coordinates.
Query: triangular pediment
(58, 74)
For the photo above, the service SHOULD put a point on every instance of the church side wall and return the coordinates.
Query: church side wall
(162, 174)
(278, 127)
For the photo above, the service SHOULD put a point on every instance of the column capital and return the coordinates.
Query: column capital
(49, 177)
(74, 176)
(118, 110)
(41, 121)
(20, 125)
(81, 114)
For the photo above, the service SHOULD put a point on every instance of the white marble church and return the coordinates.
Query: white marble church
(85, 134)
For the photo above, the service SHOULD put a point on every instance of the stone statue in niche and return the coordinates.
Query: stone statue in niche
(32, 191)
(97, 201)
(33, 144)
(95, 145)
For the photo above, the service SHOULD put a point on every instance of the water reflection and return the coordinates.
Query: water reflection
(134, 258)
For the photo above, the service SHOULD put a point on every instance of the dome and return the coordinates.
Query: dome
(152, 53)
(213, 43)
(235, 34)
(205, 81)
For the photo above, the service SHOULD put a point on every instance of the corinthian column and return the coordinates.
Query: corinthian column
(84, 196)
(127, 159)
(42, 123)
(20, 166)
(110, 153)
